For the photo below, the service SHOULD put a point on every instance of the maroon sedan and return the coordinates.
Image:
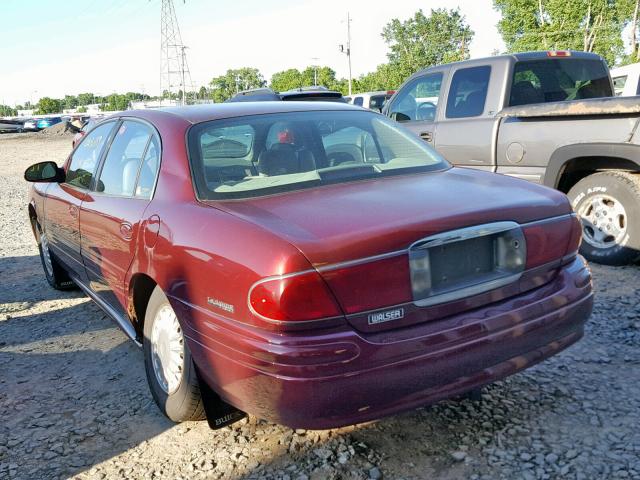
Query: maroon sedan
(312, 264)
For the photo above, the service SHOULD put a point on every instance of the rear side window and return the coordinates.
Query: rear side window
(86, 156)
(120, 170)
(358, 101)
(468, 92)
(418, 100)
(556, 80)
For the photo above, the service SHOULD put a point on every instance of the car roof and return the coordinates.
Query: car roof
(202, 113)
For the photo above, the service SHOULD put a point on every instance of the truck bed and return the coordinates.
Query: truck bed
(573, 108)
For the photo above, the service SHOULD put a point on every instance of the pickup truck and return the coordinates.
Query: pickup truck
(539, 116)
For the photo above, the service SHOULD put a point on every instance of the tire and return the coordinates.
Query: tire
(55, 274)
(608, 204)
(177, 393)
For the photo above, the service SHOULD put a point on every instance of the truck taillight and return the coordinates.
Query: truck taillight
(293, 298)
(551, 240)
(558, 53)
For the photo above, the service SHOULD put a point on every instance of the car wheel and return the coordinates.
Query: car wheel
(55, 274)
(608, 204)
(170, 370)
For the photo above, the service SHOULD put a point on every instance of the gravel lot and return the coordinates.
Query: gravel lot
(74, 400)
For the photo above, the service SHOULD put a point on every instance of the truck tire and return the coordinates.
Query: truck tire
(55, 274)
(608, 204)
(171, 374)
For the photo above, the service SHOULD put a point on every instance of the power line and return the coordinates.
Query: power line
(174, 69)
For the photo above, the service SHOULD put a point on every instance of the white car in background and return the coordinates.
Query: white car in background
(371, 100)
(626, 80)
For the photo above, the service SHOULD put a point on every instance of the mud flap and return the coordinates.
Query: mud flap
(219, 413)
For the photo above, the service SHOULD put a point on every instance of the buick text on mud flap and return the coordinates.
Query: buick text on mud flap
(385, 316)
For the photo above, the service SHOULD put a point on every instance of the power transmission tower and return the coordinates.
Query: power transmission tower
(174, 69)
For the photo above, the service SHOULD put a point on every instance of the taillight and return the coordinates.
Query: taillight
(574, 240)
(293, 298)
(551, 240)
(558, 53)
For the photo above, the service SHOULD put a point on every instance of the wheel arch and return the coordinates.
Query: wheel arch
(141, 287)
(571, 163)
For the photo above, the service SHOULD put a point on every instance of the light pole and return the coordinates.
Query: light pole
(315, 71)
(347, 51)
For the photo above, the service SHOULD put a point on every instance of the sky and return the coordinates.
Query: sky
(54, 47)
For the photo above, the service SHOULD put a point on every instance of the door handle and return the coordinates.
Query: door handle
(426, 136)
(126, 230)
(73, 211)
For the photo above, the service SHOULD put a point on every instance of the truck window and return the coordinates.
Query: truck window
(556, 80)
(618, 85)
(468, 92)
(358, 101)
(418, 100)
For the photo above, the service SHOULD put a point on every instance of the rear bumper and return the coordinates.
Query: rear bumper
(344, 377)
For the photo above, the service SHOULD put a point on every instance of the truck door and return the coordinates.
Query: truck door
(416, 105)
(467, 127)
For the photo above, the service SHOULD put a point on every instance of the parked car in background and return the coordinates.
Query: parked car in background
(305, 94)
(263, 272)
(626, 80)
(88, 125)
(539, 116)
(47, 122)
(371, 100)
(10, 125)
(31, 124)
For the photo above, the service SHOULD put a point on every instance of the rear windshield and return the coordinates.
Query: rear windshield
(263, 154)
(555, 80)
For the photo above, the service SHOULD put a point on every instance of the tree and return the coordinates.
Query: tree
(7, 111)
(116, 102)
(235, 80)
(49, 105)
(86, 99)
(203, 93)
(588, 25)
(294, 78)
(422, 41)
(70, 101)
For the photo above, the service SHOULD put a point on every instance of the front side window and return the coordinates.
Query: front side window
(468, 92)
(122, 163)
(618, 84)
(418, 100)
(556, 80)
(292, 151)
(85, 158)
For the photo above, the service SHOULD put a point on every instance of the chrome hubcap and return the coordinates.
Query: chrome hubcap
(167, 349)
(604, 221)
(44, 246)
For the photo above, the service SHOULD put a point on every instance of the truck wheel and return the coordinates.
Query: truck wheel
(55, 274)
(608, 204)
(171, 373)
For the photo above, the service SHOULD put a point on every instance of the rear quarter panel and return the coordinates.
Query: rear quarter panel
(525, 146)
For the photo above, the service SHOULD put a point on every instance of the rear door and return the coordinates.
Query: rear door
(62, 205)
(416, 105)
(111, 213)
(467, 126)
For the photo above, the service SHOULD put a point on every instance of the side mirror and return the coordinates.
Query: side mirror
(399, 117)
(44, 172)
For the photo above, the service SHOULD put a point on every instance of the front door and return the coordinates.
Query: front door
(63, 202)
(416, 105)
(111, 213)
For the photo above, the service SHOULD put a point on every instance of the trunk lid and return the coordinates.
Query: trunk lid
(337, 226)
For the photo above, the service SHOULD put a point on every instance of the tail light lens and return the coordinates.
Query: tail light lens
(295, 298)
(575, 240)
(552, 240)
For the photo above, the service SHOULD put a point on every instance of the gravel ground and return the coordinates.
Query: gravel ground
(74, 400)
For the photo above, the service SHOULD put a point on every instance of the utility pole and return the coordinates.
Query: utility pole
(347, 51)
(315, 71)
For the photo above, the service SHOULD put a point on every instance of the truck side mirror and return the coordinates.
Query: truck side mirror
(399, 117)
